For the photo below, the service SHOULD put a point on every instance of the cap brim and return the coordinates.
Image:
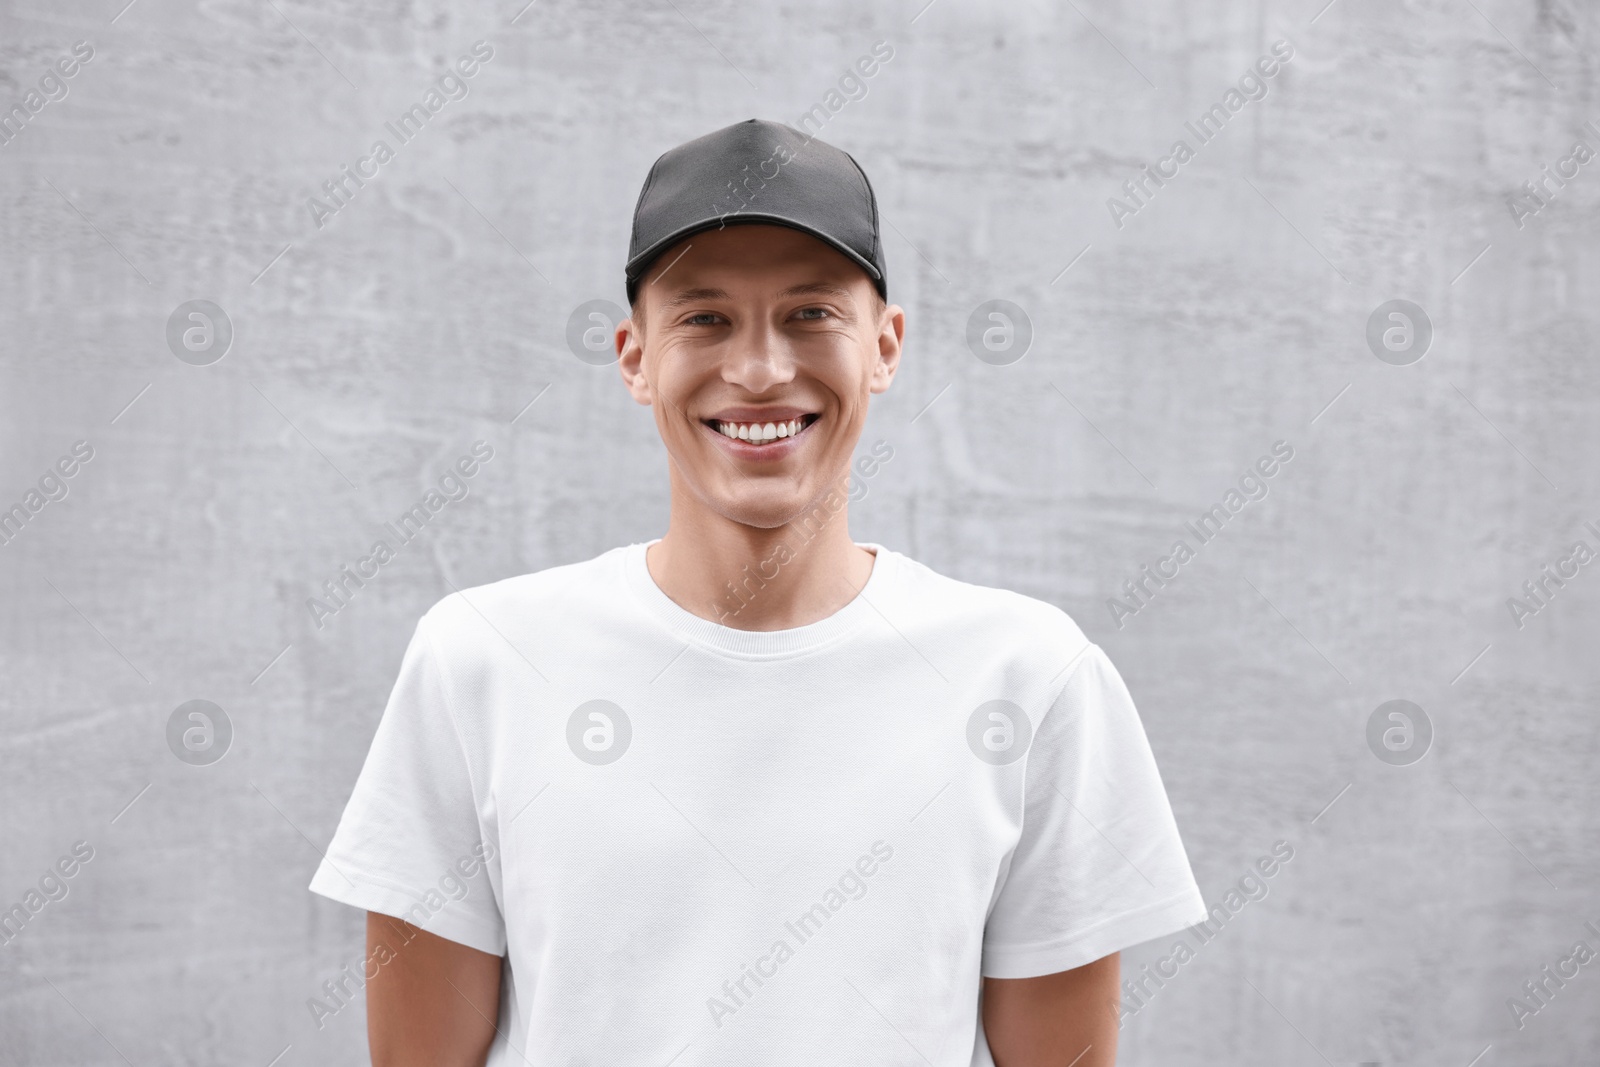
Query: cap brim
(637, 266)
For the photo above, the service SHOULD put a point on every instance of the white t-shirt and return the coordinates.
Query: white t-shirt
(712, 846)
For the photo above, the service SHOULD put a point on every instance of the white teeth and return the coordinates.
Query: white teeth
(760, 432)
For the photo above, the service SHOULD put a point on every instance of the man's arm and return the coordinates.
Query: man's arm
(1056, 1020)
(414, 1016)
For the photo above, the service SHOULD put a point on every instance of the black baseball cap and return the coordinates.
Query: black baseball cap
(757, 172)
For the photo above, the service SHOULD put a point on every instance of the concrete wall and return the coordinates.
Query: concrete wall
(1225, 311)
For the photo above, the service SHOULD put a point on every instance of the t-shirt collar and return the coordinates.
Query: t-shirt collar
(758, 644)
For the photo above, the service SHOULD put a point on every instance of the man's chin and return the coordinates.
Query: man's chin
(764, 511)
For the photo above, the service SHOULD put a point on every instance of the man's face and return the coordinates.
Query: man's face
(752, 326)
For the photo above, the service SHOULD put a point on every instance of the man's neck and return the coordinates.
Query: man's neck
(758, 579)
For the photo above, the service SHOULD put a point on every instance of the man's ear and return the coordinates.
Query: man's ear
(630, 361)
(891, 338)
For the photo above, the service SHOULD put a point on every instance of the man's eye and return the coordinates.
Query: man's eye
(821, 313)
(704, 318)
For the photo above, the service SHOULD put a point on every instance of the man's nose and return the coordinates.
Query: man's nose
(758, 360)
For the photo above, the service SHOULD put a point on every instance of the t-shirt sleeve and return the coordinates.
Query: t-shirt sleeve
(410, 843)
(1099, 865)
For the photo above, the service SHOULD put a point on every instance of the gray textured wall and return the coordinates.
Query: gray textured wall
(1228, 311)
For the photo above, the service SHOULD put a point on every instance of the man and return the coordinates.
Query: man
(753, 793)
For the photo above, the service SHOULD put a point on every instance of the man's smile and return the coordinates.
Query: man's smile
(766, 433)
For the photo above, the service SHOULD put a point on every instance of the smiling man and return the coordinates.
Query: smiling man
(870, 815)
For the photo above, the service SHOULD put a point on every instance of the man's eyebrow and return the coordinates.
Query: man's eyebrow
(689, 296)
(816, 289)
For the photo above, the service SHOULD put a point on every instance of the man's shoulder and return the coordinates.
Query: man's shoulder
(537, 597)
(991, 613)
